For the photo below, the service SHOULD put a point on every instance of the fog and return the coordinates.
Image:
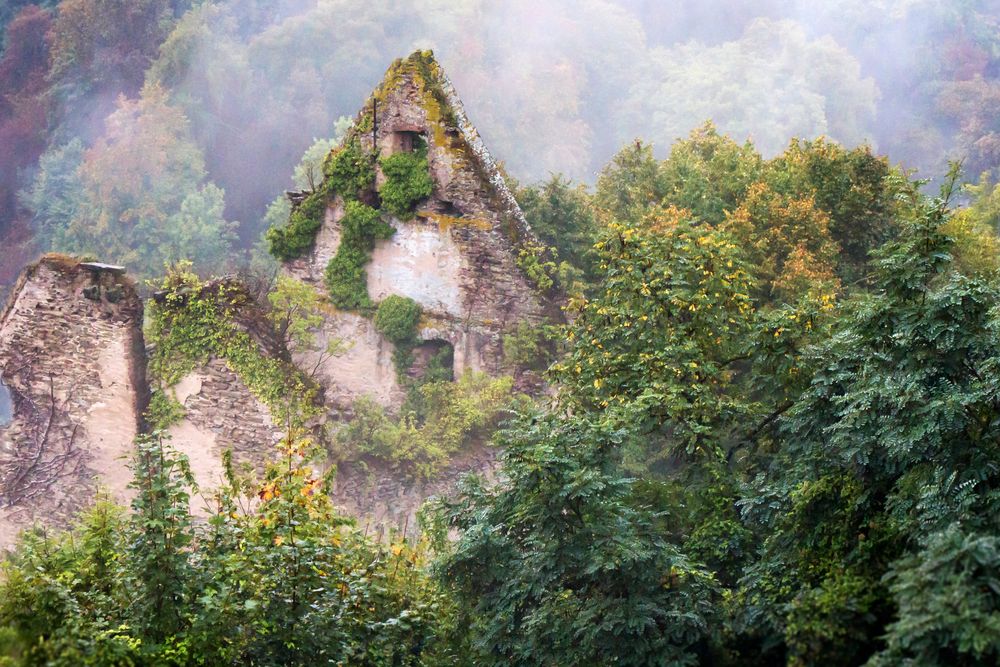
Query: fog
(560, 86)
(237, 90)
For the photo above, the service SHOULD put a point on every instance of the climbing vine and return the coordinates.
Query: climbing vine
(191, 321)
(348, 172)
(346, 281)
(295, 238)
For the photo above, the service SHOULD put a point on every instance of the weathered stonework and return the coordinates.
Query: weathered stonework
(382, 499)
(72, 356)
(221, 413)
(457, 257)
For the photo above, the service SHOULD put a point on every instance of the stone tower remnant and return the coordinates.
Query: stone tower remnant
(459, 256)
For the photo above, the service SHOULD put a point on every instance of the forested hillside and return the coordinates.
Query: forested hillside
(771, 428)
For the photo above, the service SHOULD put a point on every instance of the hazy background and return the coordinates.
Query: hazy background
(236, 90)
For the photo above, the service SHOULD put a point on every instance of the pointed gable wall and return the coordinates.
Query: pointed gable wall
(457, 257)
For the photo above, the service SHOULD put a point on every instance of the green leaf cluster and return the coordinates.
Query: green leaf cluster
(348, 172)
(558, 567)
(274, 577)
(407, 181)
(397, 318)
(296, 237)
(345, 275)
(444, 419)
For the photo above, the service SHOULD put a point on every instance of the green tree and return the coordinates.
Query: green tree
(160, 566)
(629, 185)
(708, 174)
(862, 195)
(773, 82)
(563, 218)
(137, 197)
(893, 441)
(558, 568)
(660, 338)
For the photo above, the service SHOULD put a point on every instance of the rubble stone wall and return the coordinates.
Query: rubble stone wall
(220, 414)
(385, 499)
(72, 356)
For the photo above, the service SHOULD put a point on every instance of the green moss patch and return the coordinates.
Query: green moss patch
(349, 171)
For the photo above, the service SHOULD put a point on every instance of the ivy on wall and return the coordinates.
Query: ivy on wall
(346, 280)
(407, 181)
(350, 173)
(191, 321)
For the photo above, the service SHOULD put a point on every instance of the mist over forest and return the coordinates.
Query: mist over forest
(234, 93)
(702, 369)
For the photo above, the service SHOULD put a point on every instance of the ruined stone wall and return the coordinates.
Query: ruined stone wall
(220, 414)
(384, 499)
(457, 256)
(72, 355)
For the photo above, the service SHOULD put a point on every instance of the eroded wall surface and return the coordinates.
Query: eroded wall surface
(220, 414)
(383, 499)
(72, 356)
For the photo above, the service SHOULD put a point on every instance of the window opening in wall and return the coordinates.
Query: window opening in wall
(407, 142)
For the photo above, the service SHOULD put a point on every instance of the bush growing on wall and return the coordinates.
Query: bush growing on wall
(407, 181)
(361, 226)
(397, 319)
(349, 173)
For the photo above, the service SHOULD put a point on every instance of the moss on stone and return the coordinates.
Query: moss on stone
(446, 222)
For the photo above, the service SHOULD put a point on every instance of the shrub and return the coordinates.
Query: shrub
(455, 415)
(407, 181)
(294, 239)
(350, 171)
(396, 319)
